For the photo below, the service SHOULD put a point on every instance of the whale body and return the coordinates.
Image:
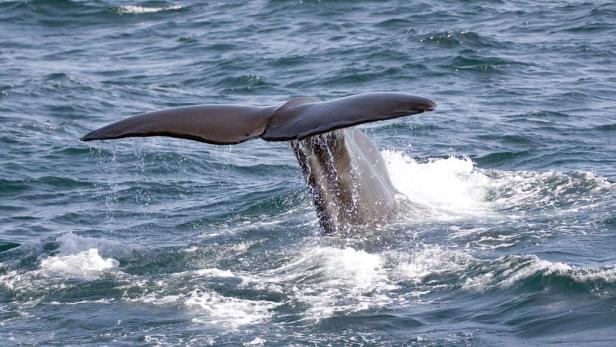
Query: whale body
(347, 176)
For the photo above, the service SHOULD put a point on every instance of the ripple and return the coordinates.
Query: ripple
(5, 246)
(482, 64)
(452, 39)
(243, 83)
(10, 187)
(501, 157)
(606, 127)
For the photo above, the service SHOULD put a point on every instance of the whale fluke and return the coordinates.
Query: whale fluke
(294, 120)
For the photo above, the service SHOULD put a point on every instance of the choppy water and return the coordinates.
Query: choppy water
(510, 237)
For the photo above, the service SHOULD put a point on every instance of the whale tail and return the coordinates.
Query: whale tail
(346, 175)
(295, 120)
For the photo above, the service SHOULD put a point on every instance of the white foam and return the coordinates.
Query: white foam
(331, 280)
(83, 264)
(606, 274)
(257, 341)
(205, 305)
(445, 188)
(228, 311)
(210, 307)
(355, 269)
(208, 272)
(99, 301)
(430, 261)
(80, 256)
(214, 272)
(544, 189)
(11, 280)
(453, 188)
(132, 9)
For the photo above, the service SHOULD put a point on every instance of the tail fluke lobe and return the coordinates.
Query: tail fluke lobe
(216, 124)
(313, 118)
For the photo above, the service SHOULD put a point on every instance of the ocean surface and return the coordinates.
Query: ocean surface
(510, 233)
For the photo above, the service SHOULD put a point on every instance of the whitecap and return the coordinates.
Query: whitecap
(207, 272)
(507, 272)
(133, 9)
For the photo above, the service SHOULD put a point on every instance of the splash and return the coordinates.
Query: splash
(443, 189)
(70, 243)
(83, 264)
(81, 257)
(453, 189)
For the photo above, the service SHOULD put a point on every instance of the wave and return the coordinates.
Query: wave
(456, 38)
(481, 64)
(531, 271)
(606, 127)
(313, 282)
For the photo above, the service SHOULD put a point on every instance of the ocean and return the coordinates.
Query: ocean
(509, 236)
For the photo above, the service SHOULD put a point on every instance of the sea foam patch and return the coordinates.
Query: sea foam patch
(429, 263)
(133, 9)
(208, 306)
(83, 264)
(230, 311)
(331, 280)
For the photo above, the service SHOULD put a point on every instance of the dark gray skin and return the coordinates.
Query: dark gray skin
(348, 179)
(346, 174)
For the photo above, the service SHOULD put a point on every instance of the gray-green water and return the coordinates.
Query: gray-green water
(510, 236)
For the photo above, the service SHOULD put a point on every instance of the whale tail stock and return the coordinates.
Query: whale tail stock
(295, 120)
